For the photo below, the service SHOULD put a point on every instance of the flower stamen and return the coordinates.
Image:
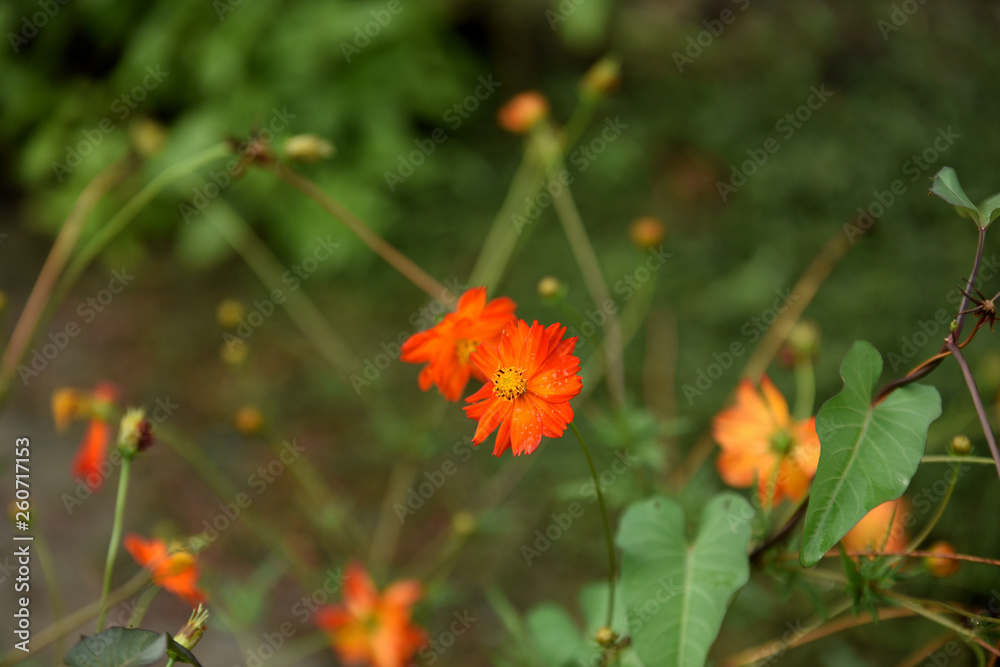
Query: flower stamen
(464, 349)
(509, 383)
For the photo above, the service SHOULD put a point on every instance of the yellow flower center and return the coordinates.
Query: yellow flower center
(781, 442)
(509, 383)
(464, 349)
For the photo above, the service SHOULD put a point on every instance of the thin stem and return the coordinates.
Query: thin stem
(805, 388)
(783, 532)
(609, 539)
(970, 284)
(116, 533)
(919, 609)
(589, 265)
(932, 554)
(378, 245)
(918, 540)
(61, 250)
(977, 401)
(74, 620)
(51, 575)
(127, 213)
(957, 459)
(142, 606)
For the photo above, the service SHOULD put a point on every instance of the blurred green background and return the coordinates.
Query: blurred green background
(898, 81)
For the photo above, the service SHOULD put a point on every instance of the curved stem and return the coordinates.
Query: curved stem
(970, 284)
(956, 459)
(116, 533)
(609, 539)
(378, 245)
(61, 250)
(977, 401)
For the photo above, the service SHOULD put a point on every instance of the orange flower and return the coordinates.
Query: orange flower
(69, 404)
(523, 112)
(882, 529)
(759, 440)
(175, 570)
(532, 375)
(447, 346)
(372, 629)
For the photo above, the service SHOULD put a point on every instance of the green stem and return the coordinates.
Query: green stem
(170, 662)
(805, 388)
(609, 539)
(116, 533)
(943, 458)
(940, 510)
(142, 606)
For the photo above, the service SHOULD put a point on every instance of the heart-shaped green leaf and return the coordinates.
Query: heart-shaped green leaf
(867, 454)
(676, 591)
(947, 187)
(118, 647)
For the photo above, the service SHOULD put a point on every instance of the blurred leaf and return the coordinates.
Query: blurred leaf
(991, 208)
(119, 647)
(689, 583)
(868, 454)
(947, 187)
(555, 634)
(180, 653)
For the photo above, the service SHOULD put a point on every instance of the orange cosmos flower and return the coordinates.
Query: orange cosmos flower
(759, 440)
(175, 570)
(372, 629)
(447, 346)
(70, 404)
(532, 375)
(882, 529)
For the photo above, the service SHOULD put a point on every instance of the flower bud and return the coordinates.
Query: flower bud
(229, 312)
(248, 420)
(646, 232)
(605, 636)
(135, 434)
(463, 524)
(549, 287)
(308, 148)
(523, 112)
(191, 633)
(147, 136)
(603, 77)
(961, 445)
(941, 567)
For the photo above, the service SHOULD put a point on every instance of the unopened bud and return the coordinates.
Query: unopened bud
(549, 287)
(248, 420)
(523, 112)
(605, 636)
(147, 137)
(135, 434)
(941, 567)
(603, 77)
(646, 232)
(961, 445)
(308, 148)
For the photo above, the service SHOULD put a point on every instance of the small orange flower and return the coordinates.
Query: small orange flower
(175, 570)
(372, 629)
(942, 567)
(882, 529)
(759, 440)
(532, 375)
(69, 404)
(447, 346)
(523, 112)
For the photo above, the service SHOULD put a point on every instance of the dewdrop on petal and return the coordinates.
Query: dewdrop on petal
(308, 148)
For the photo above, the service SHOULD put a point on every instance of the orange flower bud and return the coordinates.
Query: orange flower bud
(603, 77)
(941, 567)
(248, 420)
(646, 232)
(523, 112)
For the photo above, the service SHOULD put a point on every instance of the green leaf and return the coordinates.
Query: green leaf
(118, 647)
(947, 187)
(180, 653)
(558, 639)
(676, 591)
(867, 454)
(991, 208)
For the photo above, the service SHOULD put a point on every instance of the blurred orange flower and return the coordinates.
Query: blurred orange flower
(70, 404)
(447, 346)
(882, 529)
(177, 570)
(759, 440)
(942, 567)
(523, 112)
(532, 375)
(372, 629)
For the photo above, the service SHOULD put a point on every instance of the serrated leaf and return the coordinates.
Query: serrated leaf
(118, 647)
(947, 187)
(676, 591)
(867, 454)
